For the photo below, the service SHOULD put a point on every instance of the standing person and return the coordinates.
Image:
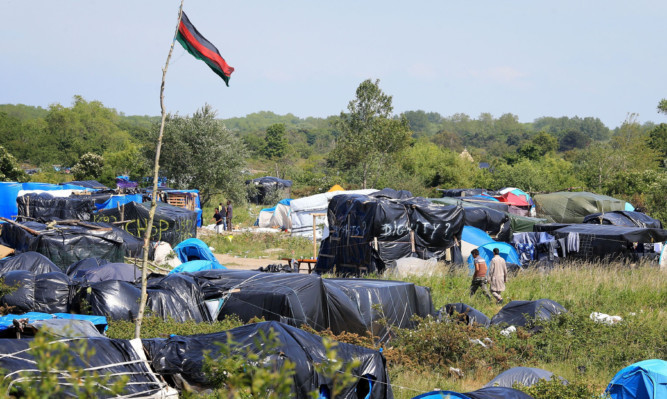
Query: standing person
(223, 214)
(229, 215)
(479, 278)
(219, 226)
(497, 275)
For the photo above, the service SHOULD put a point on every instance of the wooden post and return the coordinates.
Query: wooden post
(412, 240)
(315, 216)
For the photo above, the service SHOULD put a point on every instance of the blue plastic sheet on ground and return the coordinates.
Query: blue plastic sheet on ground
(7, 322)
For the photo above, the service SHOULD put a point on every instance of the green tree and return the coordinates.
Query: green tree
(9, 168)
(89, 167)
(662, 106)
(540, 145)
(573, 139)
(276, 144)
(198, 152)
(369, 137)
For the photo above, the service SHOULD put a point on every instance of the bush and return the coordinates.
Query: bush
(554, 389)
(156, 327)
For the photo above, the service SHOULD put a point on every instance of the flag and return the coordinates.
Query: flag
(197, 45)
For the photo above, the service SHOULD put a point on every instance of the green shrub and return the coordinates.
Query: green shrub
(554, 389)
(156, 327)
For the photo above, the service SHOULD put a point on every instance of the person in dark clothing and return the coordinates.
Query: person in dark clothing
(479, 278)
(219, 222)
(223, 214)
(229, 215)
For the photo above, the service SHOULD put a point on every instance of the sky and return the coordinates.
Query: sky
(596, 58)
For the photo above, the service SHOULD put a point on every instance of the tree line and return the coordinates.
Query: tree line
(367, 145)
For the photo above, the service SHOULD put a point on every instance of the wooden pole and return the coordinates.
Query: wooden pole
(156, 170)
(315, 216)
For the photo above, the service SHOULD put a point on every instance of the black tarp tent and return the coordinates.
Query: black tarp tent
(66, 244)
(94, 184)
(607, 241)
(30, 261)
(183, 356)
(365, 233)
(46, 207)
(523, 313)
(112, 357)
(171, 223)
(526, 376)
(47, 292)
(623, 218)
(265, 187)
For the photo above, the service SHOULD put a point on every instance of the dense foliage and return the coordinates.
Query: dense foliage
(366, 145)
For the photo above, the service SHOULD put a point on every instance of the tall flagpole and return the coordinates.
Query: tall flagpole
(151, 213)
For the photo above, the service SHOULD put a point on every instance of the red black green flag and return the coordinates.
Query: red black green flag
(197, 45)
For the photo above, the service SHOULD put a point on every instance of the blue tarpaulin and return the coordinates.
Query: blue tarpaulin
(10, 190)
(117, 200)
(194, 249)
(197, 266)
(507, 252)
(6, 322)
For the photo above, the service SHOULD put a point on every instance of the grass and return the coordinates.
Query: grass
(264, 245)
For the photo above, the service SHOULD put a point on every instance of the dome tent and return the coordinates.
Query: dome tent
(643, 380)
(506, 250)
(515, 312)
(526, 376)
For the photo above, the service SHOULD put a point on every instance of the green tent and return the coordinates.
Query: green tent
(572, 207)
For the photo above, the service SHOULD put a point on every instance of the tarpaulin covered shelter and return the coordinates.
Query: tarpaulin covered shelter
(624, 218)
(184, 356)
(104, 271)
(9, 191)
(366, 232)
(113, 357)
(471, 238)
(515, 312)
(463, 192)
(94, 184)
(526, 376)
(171, 223)
(45, 206)
(48, 292)
(276, 216)
(605, 241)
(642, 380)
(266, 187)
(302, 210)
(492, 221)
(506, 251)
(66, 244)
(30, 261)
(573, 207)
(197, 266)
(194, 249)
(7, 321)
(469, 315)
(176, 296)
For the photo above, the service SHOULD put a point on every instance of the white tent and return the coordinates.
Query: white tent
(281, 217)
(302, 210)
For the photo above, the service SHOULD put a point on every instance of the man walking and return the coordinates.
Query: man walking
(229, 215)
(497, 275)
(479, 278)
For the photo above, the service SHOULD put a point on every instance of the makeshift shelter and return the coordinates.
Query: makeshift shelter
(483, 393)
(31, 261)
(65, 244)
(492, 221)
(624, 218)
(7, 321)
(463, 192)
(366, 233)
(465, 313)
(336, 187)
(591, 241)
(281, 217)
(526, 376)
(48, 292)
(45, 206)
(302, 210)
(194, 249)
(94, 184)
(9, 191)
(471, 238)
(540, 246)
(573, 207)
(264, 217)
(506, 250)
(183, 356)
(112, 357)
(93, 272)
(522, 313)
(642, 380)
(171, 223)
(197, 266)
(268, 187)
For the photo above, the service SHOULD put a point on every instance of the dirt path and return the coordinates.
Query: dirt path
(236, 263)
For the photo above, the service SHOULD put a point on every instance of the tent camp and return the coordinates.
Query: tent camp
(184, 356)
(483, 393)
(10, 191)
(573, 207)
(506, 250)
(277, 216)
(465, 313)
(623, 218)
(643, 380)
(366, 233)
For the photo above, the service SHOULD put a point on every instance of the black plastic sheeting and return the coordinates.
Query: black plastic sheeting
(30, 261)
(366, 233)
(111, 356)
(266, 186)
(379, 301)
(609, 242)
(44, 206)
(46, 293)
(171, 223)
(493, 221)
(183, 356)
(464, 313)
(526, 376)
(624, 218)
(176, 296)
(463, 192)
(340, 305)
(390, 193)
(523, 313)
(88, 273)
(66, 244)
